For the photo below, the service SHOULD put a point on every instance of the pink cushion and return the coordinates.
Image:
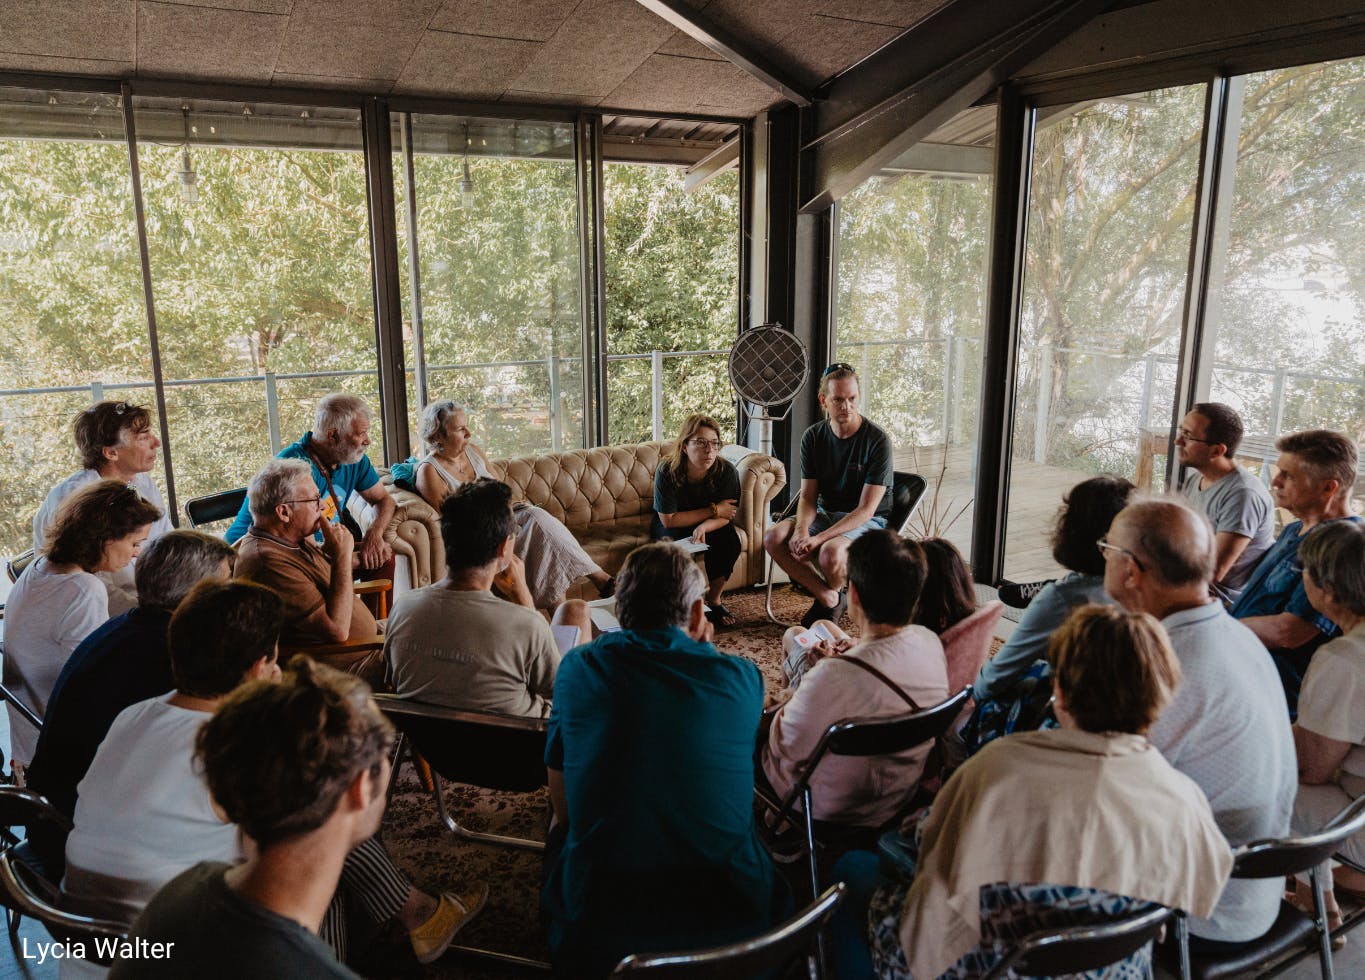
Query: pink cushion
(967, 644)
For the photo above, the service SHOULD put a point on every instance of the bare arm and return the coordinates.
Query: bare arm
(1282, 631)
(807, 506)
(1319, 757)
(332, 620)
(374, 550)
(867, 509)
(1228, 547)
(559, 801)
(685, 518)
(433, 489)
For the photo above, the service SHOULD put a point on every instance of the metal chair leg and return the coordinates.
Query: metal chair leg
(499, 840)
(1320, 921)
(1182, 935)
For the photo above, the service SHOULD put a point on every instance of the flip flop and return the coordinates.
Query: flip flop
(720, 616)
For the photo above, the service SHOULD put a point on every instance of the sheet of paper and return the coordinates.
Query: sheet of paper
(566, 637)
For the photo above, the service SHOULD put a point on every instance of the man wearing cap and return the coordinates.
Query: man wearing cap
(846, 470)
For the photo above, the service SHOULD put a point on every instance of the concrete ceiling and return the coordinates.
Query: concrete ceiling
(608, 53)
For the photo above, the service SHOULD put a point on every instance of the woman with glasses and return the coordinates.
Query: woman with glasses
(551, 555)
(696, 496)
(1013, 687)
(59, 600)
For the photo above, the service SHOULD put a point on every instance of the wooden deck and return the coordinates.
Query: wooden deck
(1035, 494)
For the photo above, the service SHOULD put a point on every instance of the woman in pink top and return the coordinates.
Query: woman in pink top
(907, 671)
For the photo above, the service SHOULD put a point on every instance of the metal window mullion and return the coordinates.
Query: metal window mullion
(1005, 283)
(154, 341)
(388, 309)
(1208, 248)
(592, 276)
(419, 346)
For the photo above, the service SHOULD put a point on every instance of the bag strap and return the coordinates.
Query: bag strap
(884, 679)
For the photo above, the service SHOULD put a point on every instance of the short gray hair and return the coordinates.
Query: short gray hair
(274, 484)
(433, 418)
(1333, 555)
(172, 564)
(657, 587)
(337, 411)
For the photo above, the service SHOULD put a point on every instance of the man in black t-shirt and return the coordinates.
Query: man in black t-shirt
(845, 472)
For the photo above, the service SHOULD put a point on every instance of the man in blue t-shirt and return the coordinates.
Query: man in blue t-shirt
(1316, 473)
(846, 471)
(651, 770)
(336, 450)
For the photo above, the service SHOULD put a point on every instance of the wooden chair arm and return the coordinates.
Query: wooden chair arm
(373, 585)
(356, 644)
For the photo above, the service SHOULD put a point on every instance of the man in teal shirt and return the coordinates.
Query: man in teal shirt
(336, 450)
(650, 753)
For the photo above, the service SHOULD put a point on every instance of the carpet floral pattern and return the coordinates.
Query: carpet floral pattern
(437, 861)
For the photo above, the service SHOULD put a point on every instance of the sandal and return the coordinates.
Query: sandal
(1304, 903)
(720, 616)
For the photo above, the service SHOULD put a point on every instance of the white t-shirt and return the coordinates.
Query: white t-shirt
(143, 814)
(122, 591)
(1332, 701)
(47, 615)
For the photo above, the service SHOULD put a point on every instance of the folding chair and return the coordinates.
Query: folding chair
(21, 807)
(1062, 952)
(859, 737)
(775, 950)
(907, 490)
(213, 507)
(1275, 858)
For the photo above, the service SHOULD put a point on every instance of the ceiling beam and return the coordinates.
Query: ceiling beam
(740, 53)
(724, 157)
(946, 159)
(897, 96)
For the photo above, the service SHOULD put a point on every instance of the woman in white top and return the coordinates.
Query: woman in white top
(1329, 736)
(552, 555)
(59, 601)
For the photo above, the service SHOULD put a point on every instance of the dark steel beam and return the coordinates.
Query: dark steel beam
(744, 56)
(893, 99)
(718, 161)
(1004, 290)
(388, 302)
(1208, 249)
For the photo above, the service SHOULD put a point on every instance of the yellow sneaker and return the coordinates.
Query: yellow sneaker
(432, 938)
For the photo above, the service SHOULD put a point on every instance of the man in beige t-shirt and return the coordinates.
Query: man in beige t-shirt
(314, 581)
(455, 643)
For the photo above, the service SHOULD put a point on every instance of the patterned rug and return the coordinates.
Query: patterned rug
(511, 921)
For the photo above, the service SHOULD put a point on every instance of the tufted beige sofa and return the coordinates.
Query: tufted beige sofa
(605, 496)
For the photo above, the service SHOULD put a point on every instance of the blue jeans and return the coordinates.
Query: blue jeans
(861, 871)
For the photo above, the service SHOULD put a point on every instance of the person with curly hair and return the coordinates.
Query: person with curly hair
(59, 600)
(696, 496)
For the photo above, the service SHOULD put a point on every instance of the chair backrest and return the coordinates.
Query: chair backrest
(887, 736)
(1278, 857)
(1060, 952)
(504, 752)
(907, 490)
(14, 567)
(967, 644)
(18, 895)
(771, 951)
(21, 807)
(221, 506)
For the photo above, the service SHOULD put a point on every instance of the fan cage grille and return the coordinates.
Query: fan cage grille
(768, 366)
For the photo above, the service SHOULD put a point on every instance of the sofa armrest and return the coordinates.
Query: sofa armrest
(415, 531)
(761, 478)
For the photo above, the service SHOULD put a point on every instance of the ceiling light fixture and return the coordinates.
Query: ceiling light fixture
(466, 183)
(189, 180)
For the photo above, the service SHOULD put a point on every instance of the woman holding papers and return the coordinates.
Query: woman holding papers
(696, 496)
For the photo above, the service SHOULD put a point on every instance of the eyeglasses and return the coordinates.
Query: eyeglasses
(305, 500)
(1190, 437)
(838, 366)
(1104, 546)
(704, 443)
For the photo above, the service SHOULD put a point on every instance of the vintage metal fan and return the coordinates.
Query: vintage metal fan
(768, 368)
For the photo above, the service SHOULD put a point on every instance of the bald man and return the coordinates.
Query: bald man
(1228, 725)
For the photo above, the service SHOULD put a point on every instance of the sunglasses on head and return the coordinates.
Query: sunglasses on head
(838, 366)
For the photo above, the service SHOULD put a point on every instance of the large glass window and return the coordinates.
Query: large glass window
(1109, 222)
(498, 271)
(910, 310)
(672, 299)
(1288, 350)
(258, 234)
(72, 321)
